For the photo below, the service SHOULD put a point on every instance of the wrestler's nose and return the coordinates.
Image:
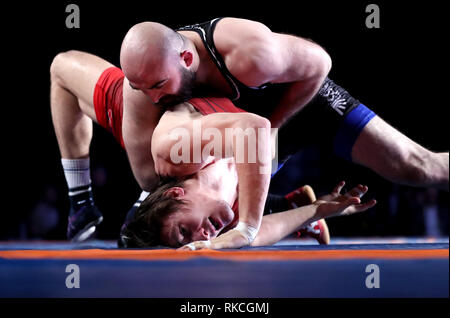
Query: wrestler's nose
(155, 95)
(201, 235)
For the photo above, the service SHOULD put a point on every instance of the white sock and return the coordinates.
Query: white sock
(78, 175)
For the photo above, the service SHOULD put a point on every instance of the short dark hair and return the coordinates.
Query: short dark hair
(144, 228)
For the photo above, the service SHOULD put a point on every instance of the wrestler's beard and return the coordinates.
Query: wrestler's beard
(185, 92)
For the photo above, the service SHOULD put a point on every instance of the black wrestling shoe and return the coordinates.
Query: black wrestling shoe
(122, 242)
(84, 216)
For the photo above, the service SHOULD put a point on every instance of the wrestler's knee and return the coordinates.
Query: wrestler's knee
(57, 67)
(61, 62)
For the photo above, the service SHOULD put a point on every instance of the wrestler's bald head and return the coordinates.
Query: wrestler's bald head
(160, 62)
(148, 46)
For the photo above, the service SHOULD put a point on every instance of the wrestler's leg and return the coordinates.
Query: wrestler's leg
(73, 78)
(399, 159)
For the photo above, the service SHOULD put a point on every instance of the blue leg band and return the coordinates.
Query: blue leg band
(349, 130)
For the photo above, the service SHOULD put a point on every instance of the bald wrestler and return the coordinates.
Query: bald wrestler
(87, 89)
(278, 76)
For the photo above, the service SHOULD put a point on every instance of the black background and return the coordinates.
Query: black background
(399, 71)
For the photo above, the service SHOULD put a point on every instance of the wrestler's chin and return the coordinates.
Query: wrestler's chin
(169, 102)
(174, 100)
(226, 215)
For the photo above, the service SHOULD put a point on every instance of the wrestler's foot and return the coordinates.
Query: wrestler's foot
(317, 230)
(122, 242)
(302, 196)
(84, 216)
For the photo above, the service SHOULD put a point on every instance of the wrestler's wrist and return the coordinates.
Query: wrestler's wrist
(315, 213)
(249, 232)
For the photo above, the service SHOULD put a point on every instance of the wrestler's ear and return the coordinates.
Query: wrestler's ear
(174, 192)
(187, 57)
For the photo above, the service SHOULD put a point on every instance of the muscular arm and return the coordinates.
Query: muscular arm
(257, 56)
(305, 68)
(275, 227)
(253, 180)
(140, 117)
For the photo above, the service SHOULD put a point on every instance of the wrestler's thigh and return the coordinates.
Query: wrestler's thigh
(381, 147)
(79, 72)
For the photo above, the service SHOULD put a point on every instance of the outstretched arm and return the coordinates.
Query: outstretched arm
(275, 227)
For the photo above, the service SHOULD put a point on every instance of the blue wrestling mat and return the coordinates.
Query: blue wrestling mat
(356, 268)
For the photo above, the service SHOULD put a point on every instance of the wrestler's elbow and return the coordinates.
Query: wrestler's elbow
(146, 180)
(325, 63)
(319, 65)
(249, 120)
(144, 172)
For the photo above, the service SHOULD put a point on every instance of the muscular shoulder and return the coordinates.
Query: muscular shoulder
(236, 29)
(250, 50)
